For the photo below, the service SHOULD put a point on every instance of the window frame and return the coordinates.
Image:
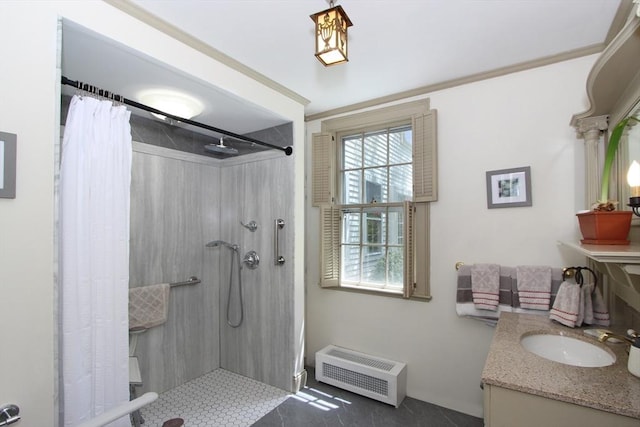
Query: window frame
(326, 183)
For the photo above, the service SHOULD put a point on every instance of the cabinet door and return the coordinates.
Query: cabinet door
(508, 408)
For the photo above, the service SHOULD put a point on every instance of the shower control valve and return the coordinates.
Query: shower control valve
(251, 259)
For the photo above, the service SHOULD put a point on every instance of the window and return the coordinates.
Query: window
(373, 176)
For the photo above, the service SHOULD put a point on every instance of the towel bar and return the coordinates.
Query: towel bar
(566, 271)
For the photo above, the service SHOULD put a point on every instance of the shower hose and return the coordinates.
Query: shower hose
(236, 255)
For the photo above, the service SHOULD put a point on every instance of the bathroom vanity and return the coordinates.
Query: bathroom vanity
(525, 390)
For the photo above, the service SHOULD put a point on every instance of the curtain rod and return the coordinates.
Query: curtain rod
(118, 98)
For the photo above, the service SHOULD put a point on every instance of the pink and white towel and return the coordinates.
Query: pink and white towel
(534, 286)
(485, 286)
(566, 307)
(585, 313)
(600, 311)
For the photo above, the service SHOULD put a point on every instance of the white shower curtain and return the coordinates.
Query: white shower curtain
(95, 177)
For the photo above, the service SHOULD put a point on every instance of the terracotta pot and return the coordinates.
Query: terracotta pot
(605, 228)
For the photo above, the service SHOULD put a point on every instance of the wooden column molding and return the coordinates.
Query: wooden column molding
(590, 129)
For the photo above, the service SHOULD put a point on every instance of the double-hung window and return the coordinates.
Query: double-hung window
(373, 177)
(375, 180)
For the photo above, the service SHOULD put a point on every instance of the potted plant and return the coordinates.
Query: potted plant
(603, 224)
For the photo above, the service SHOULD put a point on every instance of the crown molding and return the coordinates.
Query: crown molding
(424, 90)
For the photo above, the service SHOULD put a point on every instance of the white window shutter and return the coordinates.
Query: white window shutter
(330, 232)
(409, 267)
(425, 170)
(322, 154)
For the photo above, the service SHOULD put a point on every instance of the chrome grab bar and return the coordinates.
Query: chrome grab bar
(120, 410)
(193, 280)
(278, 225)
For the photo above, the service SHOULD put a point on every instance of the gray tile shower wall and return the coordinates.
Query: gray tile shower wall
(263, 347)
(171, 221)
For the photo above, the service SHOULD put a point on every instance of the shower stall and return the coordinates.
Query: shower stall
(190, 187)
(184, 196)
(188, 215)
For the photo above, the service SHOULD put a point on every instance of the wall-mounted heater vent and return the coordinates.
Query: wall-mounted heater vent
(371, 376)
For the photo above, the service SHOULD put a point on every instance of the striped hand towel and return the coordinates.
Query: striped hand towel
(534, 286)
(585, 315)
(567, 305)
(600, 311)
(485, 286)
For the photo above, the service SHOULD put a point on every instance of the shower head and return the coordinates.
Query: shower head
(220, 148)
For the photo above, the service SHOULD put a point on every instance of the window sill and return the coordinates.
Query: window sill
(379, 292)
(372, 289)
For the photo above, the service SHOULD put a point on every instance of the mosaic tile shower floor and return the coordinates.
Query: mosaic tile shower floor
(219, 398)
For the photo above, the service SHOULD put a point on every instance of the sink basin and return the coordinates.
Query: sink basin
(567, 350)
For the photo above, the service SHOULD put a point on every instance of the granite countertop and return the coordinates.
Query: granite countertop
(610, 388)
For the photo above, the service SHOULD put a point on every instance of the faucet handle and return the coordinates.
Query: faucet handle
(608, 336)
(9, 414)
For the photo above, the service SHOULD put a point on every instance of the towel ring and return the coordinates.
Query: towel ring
(577, 275)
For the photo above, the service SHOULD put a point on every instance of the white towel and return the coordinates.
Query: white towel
(469, 310)
(485, 286)
(600, 311)
(148, 305)
(586, 305)
(534, 286)
(567, 305)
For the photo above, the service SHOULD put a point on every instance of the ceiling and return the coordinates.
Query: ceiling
(395, 46)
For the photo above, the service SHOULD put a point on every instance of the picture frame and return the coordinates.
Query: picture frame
(509, 188)
(7, 165)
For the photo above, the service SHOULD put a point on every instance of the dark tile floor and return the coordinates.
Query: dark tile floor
(324, 405)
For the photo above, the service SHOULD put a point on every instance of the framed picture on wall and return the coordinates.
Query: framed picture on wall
(7, 165)
(509, 188)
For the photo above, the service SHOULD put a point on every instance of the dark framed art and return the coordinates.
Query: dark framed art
(7, 165)
(509, 188)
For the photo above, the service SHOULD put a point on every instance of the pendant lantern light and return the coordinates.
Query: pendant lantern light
(331, 35)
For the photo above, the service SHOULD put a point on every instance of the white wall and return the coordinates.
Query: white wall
(520, 119)
(26, 223)
(29, 104)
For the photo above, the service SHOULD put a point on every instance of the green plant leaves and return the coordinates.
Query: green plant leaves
(610, 155)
